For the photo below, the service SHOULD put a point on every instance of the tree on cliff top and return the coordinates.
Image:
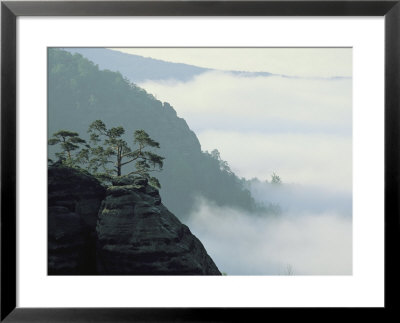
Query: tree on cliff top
(109, 152)
(69, 142)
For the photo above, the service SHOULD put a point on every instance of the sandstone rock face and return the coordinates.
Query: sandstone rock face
(137, 235)
(74, 198)
(124, 230)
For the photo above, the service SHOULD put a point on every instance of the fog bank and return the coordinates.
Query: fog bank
(299, 128)
(291, 244)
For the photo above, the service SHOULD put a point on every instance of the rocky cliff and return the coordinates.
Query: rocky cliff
(121, 230)
(74, 198)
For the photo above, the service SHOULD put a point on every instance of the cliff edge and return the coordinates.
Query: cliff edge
(121, 230)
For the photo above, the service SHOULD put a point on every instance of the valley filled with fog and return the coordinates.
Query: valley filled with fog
(299, 128)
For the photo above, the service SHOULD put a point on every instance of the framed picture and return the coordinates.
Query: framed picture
(196, 160)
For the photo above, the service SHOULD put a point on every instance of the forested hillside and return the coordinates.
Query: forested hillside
(79, 93)
(137, 68)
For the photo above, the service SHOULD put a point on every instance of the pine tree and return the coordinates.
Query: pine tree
(275, 179)
(69, 142)
(109, 152)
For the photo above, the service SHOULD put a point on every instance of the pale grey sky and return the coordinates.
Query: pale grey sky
(307, 62)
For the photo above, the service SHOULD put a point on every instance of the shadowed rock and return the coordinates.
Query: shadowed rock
(124, 230)
(74, 198)
(137, 235)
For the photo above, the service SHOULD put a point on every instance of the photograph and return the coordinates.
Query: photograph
(198, 160)
(224, 161)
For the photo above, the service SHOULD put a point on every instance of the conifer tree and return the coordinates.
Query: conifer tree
(110, 152)
(69, 142)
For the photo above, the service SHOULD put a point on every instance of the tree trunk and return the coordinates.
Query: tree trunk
(119, 161)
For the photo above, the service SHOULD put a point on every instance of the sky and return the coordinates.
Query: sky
(298, 127)
(307, 62)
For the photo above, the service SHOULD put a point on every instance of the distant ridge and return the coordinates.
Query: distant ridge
(139, 69)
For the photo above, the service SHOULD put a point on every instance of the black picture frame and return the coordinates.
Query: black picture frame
(10, 10)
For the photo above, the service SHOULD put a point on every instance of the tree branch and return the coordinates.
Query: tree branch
(129, 161)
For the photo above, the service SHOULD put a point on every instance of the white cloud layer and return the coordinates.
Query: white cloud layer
(296, 244)
(299, 128)
(302, 199)
(318, 160)
(223, 101)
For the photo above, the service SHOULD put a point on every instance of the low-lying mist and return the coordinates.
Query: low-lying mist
(229, 102)
(300, 128)
(311, 236)
(298, 198)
